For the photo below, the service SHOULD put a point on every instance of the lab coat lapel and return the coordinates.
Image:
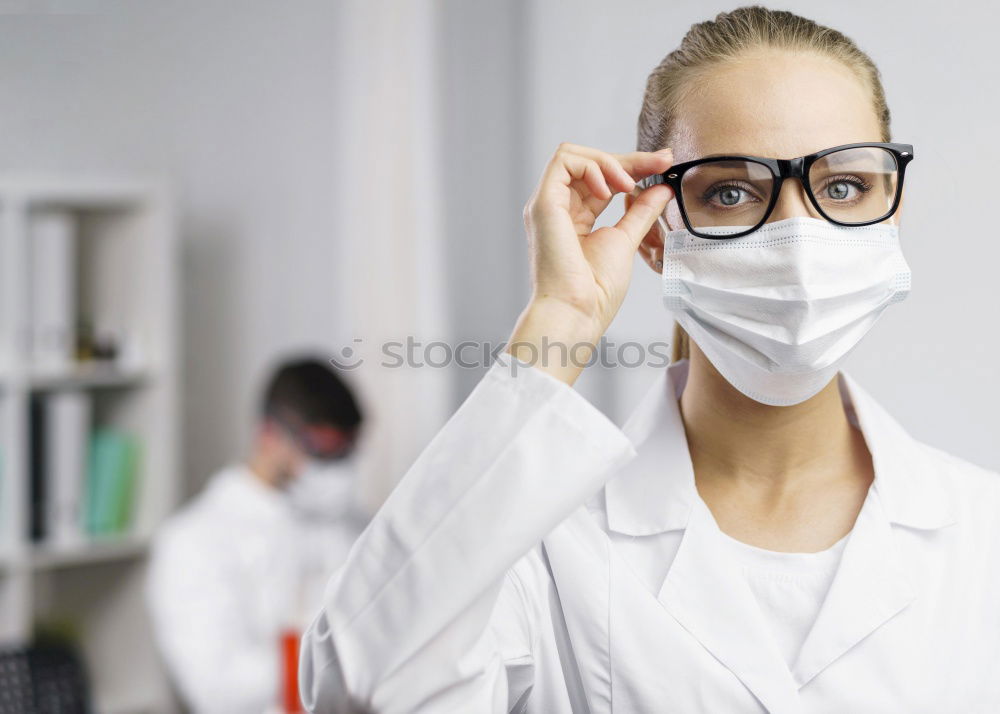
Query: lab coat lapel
(654, 491)
(706, 593)
(870, 587)
(872, 584)
(582, 639)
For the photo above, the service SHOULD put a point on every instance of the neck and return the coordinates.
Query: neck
(265, 470)
(734, 438)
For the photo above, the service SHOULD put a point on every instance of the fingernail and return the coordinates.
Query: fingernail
(668, 150)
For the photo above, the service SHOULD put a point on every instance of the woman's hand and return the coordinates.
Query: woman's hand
(579, 275)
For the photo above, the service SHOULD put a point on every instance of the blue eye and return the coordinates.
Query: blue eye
(728, 195)
(845, 188)
(839, 190)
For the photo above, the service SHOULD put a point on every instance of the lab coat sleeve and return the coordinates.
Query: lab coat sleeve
(411, 620)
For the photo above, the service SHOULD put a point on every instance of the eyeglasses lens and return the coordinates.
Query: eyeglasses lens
(855, 185)
(726, 196)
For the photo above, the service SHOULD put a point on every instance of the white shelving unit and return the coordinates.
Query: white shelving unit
(126, 266)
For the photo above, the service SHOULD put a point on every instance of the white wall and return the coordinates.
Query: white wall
(931, 360)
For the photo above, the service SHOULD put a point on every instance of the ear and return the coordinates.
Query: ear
(651, 247)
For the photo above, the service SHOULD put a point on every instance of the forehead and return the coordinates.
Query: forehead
(773, 103)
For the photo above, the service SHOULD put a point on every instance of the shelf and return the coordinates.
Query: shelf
(42, 557)
(87, 377)
(120, 275)
(47, 557)
(97, 376)
(92, 192)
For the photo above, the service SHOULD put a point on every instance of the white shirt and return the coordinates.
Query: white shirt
(537, 558)
(228, 573)
(789, 588)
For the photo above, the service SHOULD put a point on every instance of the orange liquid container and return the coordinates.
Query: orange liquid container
(290, 703)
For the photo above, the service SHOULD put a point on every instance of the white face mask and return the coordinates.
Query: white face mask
(777, 311)
(324, 490)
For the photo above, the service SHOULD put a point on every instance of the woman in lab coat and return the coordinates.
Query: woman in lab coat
(761, 536)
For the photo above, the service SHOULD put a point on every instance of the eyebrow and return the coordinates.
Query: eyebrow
(731, 153)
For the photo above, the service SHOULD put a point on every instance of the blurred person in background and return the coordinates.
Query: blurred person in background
(238, 571)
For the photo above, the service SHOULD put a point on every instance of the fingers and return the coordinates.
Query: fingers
(561, 196)
(640, 164)
(641, 215)
(593, 173)
(603, 173)
(635, 165)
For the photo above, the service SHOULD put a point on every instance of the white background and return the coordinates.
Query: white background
(258, 112)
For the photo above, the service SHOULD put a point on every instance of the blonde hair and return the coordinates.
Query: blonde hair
(731, 34)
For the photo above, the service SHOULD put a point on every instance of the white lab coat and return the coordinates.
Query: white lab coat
(228, 573)
(536, 558)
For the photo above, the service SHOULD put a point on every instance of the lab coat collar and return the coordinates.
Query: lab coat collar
(655, 492)
(237, 492)
(908, 478)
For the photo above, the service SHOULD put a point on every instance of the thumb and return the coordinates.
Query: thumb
(641, 215)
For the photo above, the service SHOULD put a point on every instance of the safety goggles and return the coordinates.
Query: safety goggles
(323, 442)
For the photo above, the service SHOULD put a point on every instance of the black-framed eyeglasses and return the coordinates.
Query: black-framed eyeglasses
(733, 195)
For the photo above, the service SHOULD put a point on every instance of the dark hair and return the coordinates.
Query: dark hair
(309, 391)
